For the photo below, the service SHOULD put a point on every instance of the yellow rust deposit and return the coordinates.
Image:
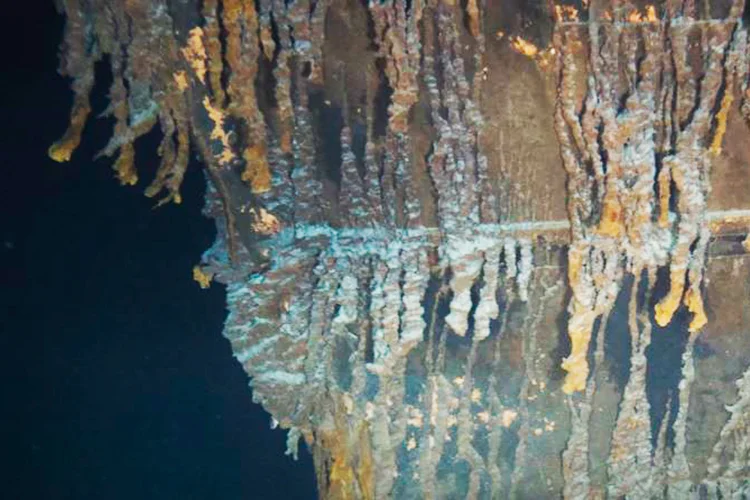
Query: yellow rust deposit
(580, 327)
(694, 303)
(508, 417)
(195, 53)
(649, 16)
(411, 444)
(257, 172)
(201, 277)
(666, 308)
(746, 243)
(218, 133)
(351, 471)
(416, 419)
(566, 13)
(476, 395)
(575, 265)
(523, 46)
(180, 79)
(264, 222)
(721, 122)
(543, 57)
(341, 479)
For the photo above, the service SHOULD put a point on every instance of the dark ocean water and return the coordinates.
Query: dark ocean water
(117, 382)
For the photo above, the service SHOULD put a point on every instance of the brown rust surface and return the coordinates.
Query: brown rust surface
(518, 98)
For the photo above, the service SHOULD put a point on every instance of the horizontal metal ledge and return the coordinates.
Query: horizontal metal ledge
(720, 222)
(676, 22)
(729, 226)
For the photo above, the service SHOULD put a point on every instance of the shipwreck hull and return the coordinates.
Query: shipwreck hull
(471, 249)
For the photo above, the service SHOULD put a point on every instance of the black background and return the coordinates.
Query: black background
(116, 381)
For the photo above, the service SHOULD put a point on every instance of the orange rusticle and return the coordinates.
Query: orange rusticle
(694, 303)
(125, 165)
(62, 150)
(666, 308)
(201, 277)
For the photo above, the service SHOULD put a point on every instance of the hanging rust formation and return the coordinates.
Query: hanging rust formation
(471, 249)
(653, 105)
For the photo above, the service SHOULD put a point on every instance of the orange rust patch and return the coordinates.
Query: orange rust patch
(611, 223)
(264, 222)
(523, 46)
(351, 471)
(201, 277)
(195, 53)
(566, 13)
(180, 78)
(218, 132)
(257, 172)
(649, 16)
